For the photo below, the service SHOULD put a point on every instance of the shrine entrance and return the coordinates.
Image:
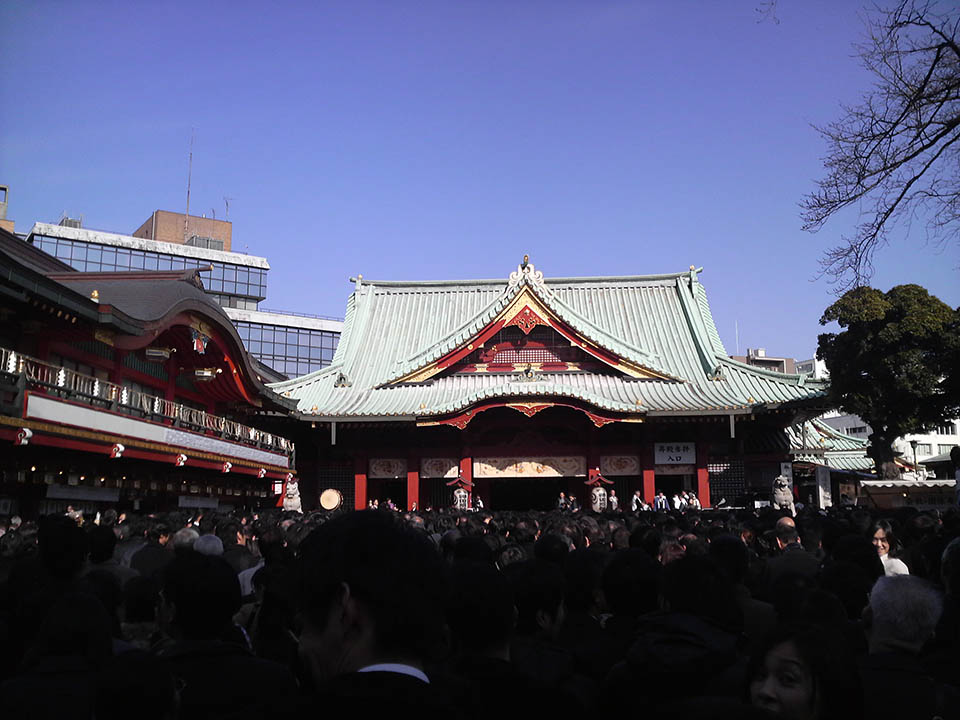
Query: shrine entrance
(521, 493)
(672, 485)
(388, 489)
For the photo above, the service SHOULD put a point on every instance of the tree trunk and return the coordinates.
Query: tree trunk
(884, 457)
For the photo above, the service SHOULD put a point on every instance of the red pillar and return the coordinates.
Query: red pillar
(360, 481)
(593, 470)
(413, 481)
(466, 472)
(649, 481)
(703, 475)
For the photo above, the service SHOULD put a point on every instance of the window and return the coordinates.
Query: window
(923, 449)
(944, 449)
(949, 429)
(858, 430)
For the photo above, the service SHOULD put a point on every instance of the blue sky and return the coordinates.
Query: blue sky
(444, 139)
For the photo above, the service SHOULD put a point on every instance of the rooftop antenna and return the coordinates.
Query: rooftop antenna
(226, 202)
(736, 330)
(189, 178)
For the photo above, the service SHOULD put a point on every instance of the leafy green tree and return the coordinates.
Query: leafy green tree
(896, 363)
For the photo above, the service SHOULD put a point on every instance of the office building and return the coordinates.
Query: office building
(289, 344)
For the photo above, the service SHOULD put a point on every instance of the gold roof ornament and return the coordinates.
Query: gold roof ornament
(95, 295)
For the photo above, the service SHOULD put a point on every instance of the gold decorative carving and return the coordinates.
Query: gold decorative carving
(557, 466)
(618, 465)
(439, 468)
(387, 468)
(103, 336)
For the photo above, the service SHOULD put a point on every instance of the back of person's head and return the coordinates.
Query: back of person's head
(509, 554)
(850, 584)
(183, 539)
(205, 594)
(157, 530)
(272, 544)
(75, 626)
(102, 543)
(391, 570)
(480, 608)
(731, 556)
(695, 585)
(620, 538)
(63, 546)
(11, 543)
(950, 568)
(136, 684)
(582, 573)
(904, 611)
(207, 524)
(227, 531)
(109, 518)
(208, 545)
(538, 590)
(631, 583)
(524, 531)
(787, 534)
(857, 549)
(552, 547)
(472, 549)
(140, 597)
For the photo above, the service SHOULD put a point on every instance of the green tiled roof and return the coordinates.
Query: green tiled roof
(816, 442)
(660, 322)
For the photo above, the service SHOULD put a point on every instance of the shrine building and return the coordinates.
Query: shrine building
(518, 389)
(129, 390)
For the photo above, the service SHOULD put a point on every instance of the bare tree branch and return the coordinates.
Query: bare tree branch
(895, 155)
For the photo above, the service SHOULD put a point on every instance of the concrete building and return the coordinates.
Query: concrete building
(171, 227)
(757, 357)
(288, 344)
(939, 441)
(814, 367)
(4, 200)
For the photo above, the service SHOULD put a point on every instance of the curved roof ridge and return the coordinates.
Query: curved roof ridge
(500, 281)
(565, 312)
(307, 379)
(473, 325)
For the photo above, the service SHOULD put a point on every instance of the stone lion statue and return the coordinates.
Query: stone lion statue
(783, 494)
(291, 497)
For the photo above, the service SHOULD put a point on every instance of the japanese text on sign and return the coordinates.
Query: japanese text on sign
(674, 453)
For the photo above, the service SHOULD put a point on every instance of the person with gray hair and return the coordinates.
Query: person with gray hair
(183, 540)
(901, 617)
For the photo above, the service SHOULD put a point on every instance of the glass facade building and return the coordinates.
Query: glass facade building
(290, 344)
(292, 351)
(232, 284)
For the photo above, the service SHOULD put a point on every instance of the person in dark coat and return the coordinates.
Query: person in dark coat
(153, 557)
(221, 678)
(698, 637)
(372, 602)
(793, 560)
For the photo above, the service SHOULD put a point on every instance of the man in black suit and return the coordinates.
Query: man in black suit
(794, 561)
(372, 601)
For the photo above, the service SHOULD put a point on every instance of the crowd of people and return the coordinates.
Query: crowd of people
(847, 613)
